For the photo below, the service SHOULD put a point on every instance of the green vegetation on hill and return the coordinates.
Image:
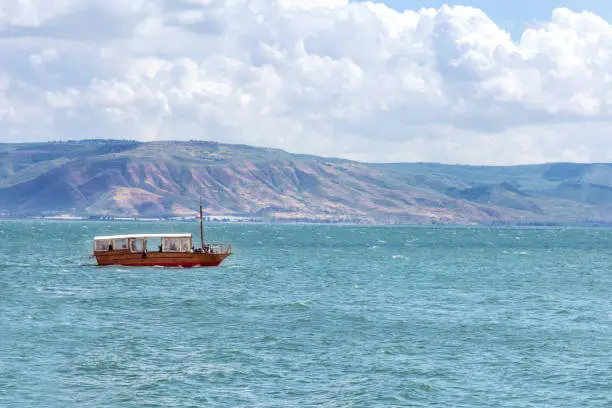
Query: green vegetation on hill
(129, 178)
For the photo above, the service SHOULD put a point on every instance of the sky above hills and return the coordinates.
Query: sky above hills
(477, 82)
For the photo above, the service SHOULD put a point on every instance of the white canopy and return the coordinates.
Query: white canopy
(107, 237)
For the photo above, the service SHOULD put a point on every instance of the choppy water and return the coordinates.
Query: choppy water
(306, 315)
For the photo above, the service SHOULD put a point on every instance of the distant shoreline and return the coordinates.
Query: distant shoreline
(282, 221)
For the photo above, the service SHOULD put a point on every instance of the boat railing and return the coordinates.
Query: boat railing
(219, 248)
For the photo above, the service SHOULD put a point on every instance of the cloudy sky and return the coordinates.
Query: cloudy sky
(476, 82)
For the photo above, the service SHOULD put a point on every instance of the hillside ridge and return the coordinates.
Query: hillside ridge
(165, 178)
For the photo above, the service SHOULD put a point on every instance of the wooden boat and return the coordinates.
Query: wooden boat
(174, 250)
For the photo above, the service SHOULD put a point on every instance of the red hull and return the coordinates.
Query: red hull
(164, 259)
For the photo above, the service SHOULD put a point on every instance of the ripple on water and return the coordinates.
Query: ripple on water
(318, 315)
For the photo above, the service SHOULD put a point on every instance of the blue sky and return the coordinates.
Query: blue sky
(514, 16)
(519, 10)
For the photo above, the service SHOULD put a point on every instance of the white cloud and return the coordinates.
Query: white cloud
(32, 12)
(45, 57)
(330, 77)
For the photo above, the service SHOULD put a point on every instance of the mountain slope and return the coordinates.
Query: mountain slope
(166, 178)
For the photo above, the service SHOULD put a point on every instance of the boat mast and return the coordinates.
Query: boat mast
(201, 225)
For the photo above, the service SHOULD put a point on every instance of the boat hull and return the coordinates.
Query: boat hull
(165, 259)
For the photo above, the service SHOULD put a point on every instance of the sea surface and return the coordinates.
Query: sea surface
(309, 315)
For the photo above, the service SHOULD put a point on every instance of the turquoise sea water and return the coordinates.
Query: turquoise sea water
(310, 315)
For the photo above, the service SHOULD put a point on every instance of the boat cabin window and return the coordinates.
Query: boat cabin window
(101, 245)
(171, 245)
(176, 244)
(137, 244)
(120, 244)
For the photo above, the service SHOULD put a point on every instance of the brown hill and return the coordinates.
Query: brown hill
(124, 178)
